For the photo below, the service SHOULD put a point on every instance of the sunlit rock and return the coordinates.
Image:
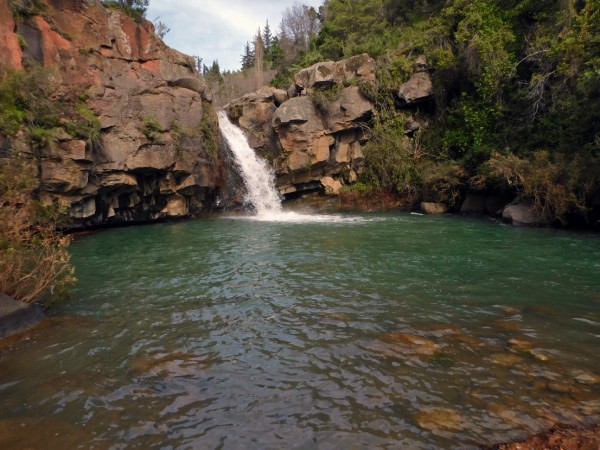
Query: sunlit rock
(328, 73)
(520, 344)
(585, 376)
(434, 208)
(331, 186)
(418, 88)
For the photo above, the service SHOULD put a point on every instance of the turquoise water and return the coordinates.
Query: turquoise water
(376, 331)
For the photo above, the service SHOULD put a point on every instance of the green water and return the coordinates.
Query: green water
(388, 331)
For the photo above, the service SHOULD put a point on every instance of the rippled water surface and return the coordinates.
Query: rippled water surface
(383, 331)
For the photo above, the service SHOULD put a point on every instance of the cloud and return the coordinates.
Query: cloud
(217, 30)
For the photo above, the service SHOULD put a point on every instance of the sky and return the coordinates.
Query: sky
(218, 29)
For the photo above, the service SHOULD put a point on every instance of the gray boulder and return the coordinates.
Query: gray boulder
(521, 212)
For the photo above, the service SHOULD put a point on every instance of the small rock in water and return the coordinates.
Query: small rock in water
(510, 310)
(561, 388)
(539, 354)
(506, 325)
(444, 329)
(334, 315)
(519, 344)
(506, 359)
(585, 377)
(404, 342)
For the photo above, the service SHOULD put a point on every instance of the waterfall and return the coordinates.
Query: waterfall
(258, 178)
(260, 183)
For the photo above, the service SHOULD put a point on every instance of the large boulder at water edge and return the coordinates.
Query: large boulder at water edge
(151, 152)
(434, 208)
(17, 316)
(521, 212)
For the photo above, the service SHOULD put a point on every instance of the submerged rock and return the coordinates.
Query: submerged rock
(506, 359)
(410, 343)
(440, 419)
(585, 377)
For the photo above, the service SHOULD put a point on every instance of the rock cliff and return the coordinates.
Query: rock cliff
(153, 150)
(313, 133)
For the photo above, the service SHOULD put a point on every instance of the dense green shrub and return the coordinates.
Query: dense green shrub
(84, 125)
(25, 100)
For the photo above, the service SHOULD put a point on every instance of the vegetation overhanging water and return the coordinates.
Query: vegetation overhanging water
(384, 330)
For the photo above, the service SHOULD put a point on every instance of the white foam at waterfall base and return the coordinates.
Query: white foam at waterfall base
(259, 180)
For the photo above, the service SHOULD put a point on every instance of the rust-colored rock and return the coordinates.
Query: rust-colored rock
(10, 50)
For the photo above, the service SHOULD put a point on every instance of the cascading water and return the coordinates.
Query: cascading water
(259, 180)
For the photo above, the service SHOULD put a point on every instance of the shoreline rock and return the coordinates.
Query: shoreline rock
(17, 316)
(561, 436)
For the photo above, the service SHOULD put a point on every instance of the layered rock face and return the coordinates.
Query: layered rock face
(313, 133)
(154, 151)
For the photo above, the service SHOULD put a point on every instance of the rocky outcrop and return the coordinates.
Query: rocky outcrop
(152, 154)
(329, 73)
(315, 130)
(419, 88)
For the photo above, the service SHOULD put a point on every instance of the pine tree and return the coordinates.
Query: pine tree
(268, 41)
(247, 57)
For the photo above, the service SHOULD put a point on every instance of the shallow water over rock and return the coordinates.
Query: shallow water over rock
(388, 330)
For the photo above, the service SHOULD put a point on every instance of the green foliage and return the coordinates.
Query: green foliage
(27, 8)
(323, 97)
(25, 102)
(209, 130)
(136, 9)
(151, 128)
(85, 125)
(391, 158)
(22, 42)
(446, 179)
